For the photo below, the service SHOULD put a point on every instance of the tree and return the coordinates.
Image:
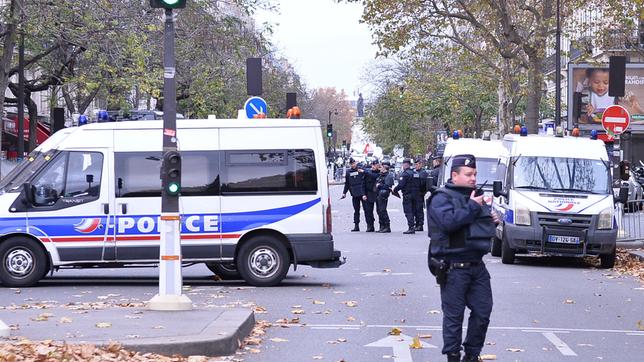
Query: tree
(325, 100)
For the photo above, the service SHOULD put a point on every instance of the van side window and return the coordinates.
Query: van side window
(137, 174)
(287, 171)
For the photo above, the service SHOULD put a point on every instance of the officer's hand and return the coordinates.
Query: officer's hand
(495, 217)
(364, 198)
(360, 170)
(477, 199)
(343, 196)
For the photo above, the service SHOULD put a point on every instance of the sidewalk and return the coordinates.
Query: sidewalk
(213, 331)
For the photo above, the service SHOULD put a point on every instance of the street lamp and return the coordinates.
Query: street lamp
(330, 131)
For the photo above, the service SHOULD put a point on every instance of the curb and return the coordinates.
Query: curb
(637, 254)
(4, 330)
(630, 244)
(220, 338)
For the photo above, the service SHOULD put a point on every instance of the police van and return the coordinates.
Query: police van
(487, 153)
(254, 200)
(555, 197)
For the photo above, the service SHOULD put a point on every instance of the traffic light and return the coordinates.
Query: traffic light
(172, 173)
(168, 4)
(329, 130)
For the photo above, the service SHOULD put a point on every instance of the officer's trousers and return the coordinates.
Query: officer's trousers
(409, 208)
(381, 208)
(419, 214)
(368, 207)
(469, 288)
(356, 209)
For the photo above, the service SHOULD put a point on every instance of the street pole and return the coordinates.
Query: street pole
(558, 68)
(21, 87)
(170, 295)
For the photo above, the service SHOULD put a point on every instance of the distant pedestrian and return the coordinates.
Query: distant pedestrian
(384, 183)
(409, 189)
(354, 181)
(461, 227)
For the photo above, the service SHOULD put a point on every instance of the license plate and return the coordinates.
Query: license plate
(563, 239)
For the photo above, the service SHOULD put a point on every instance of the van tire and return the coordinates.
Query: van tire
(22, 262)
(607, 261)
(496, 246)
(263, 261)
(226, 271)
(507, 253)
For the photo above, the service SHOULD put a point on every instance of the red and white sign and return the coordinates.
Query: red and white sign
(615, 120)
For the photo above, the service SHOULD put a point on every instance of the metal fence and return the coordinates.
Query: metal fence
(630, 221)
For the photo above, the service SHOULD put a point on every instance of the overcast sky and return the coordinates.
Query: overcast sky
(324, 41)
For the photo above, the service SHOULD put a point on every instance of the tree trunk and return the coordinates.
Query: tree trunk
(505, 120)
(535, 92)
(33, 120)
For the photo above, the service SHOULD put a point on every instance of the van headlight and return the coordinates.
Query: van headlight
(522, 216)
(605, 220)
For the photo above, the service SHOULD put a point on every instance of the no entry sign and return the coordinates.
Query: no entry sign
(615, 120)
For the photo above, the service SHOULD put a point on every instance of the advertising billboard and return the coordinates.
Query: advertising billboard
(588, 95)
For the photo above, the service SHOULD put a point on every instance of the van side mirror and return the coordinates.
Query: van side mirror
(623, 195)
(497, 189)
(28, 191)
(430, 184)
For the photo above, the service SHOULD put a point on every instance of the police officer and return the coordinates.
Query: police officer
(409, 189)
(461, 227)
(420, 178)
(371, 174)
(436, 169)
(354, 181)
(384, 183)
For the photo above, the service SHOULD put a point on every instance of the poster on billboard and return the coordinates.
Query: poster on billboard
(588, 95)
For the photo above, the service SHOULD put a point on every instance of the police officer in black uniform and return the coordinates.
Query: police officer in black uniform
(354, 181)
(409, 189)
(461, 227)
(436, 169)
(371, 174)
(384, 183)
(420, 177)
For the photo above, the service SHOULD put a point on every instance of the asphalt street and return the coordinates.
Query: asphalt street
(544, 308)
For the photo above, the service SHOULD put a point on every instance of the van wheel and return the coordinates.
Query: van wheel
(23, 262)
(607, 261)
(496, 246)
(263, 261)
(507, 253)
(226, 271)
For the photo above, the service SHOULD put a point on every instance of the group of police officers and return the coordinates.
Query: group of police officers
(460, 226)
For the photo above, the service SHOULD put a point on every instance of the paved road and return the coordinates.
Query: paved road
(545, 309)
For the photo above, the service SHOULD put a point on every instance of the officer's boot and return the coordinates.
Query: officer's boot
(410, 230)
(356, 228)
(454, 357)
(370, 228)
(387, 229)
(471, 358)
(381, 228)
(419, 228)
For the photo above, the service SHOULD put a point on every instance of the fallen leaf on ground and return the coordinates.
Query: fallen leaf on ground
(399, 293)
(65, 320)
(318, 302)
(640, 325)
(103, 325)
(569, 301)
(425, 336)
(395, 331)
(490, 343)
(351, 319)
(350, 303)
(341, 340)
(415, 344)
(297, 311)
(434, 311)
(318, 357)
(278, 340)
(515, 350)
(488, 357)
(386, 270)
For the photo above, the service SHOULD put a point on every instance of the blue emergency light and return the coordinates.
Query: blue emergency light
(455, 135)
(82, 120)
(524, 131)
(103, 116)
(593, 134)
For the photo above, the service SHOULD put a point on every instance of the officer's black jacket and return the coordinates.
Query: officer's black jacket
(406, 183)
(384, 183)
(370, 184)
(354, 181)
(459, 228)
(422, 181)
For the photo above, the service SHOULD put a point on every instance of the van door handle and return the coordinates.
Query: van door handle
(123, 209)
(106, 209)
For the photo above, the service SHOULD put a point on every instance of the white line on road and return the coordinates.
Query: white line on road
(635, 334)
(336, 328)
(544, 331)
(523, 329)
(400, 345)
(561, 345)
(379, 274)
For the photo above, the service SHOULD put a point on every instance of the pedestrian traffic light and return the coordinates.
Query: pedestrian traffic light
(329, 130)
(168, 4)
(172, 173)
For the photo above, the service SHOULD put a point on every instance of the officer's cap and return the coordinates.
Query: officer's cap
(419, 160)
(386, 163)
(463, 160)
(375, 162)
(351, 160)
(407, 161)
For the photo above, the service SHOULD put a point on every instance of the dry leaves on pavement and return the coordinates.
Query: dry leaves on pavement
(626, 264)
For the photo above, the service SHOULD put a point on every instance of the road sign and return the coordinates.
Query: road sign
(255, 105)
(615, 120)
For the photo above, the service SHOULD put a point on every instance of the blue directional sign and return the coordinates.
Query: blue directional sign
(255, 105)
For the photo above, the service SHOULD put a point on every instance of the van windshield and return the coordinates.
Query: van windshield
(561, 174)
(23, 172)
(485, 170)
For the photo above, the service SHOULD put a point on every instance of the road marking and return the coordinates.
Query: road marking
(337, 328)
(379, 274)
(400, 345)
(545, 330)
(523, 329)
(561, 345)
(635, 334)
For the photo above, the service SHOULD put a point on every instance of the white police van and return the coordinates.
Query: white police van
(254, 200)
(556, 198)
(487, 153)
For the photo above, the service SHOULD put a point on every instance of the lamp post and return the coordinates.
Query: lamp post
(335, 111)
(558, 68)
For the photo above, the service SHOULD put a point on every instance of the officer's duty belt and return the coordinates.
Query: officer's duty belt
(464, 265)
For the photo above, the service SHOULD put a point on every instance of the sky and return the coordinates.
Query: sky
(324, 41)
